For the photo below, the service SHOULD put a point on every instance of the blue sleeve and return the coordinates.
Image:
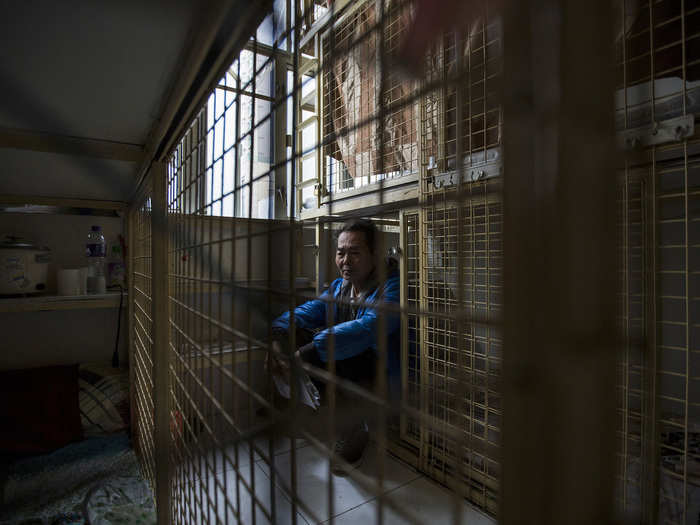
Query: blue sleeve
(310, 315)
(354, 337)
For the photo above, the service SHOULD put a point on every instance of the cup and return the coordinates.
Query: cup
(83, 279)
(68, 281)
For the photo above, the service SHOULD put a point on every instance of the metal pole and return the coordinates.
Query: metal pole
(559, 264)
(161, 365)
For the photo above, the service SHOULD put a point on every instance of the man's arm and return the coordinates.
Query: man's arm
(354, 337)
(310, 315)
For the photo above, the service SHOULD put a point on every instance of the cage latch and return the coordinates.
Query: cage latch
(671, 130)
(471, 174)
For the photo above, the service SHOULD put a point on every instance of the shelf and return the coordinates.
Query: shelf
(44, 303)
(23, 200)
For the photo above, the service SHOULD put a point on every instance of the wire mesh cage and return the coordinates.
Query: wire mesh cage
(142, 373)
(316, 121)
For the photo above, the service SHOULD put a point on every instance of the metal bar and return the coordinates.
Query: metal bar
(652, 505)
(161, 369)
(280, 134)
(294, 397)
(686, 400)
(65, 202)
(131, 336)
(246, 93)
(559, 310)
(249, 267)
(67, 145)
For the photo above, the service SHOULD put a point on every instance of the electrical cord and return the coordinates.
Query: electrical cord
(115, 355)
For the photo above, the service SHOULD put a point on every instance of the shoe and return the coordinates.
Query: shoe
(350, 449)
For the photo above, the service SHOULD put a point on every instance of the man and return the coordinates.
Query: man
(354, 325)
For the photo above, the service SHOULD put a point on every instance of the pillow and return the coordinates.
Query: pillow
(104, 399)
(39, 409)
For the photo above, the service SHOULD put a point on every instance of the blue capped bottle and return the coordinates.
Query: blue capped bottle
(95, 251)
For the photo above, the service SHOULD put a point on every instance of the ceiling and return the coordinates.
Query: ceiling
(84, 84)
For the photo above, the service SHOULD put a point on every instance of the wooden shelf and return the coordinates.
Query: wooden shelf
(44, 303)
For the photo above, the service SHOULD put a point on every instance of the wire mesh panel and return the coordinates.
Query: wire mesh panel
(635, 366)
(656, 100)
(141, 353)
(411, 427)
(658, 391)
(658, 68)
(677, 269)
(223, 283)
(461, 259)
(474, 56)
(464, 447)
(364, 106)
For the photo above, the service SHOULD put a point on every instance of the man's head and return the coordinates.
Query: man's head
(355, 256)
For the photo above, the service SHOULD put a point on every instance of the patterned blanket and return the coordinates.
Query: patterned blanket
(95, 481)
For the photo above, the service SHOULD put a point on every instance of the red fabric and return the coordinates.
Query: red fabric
(39, 409)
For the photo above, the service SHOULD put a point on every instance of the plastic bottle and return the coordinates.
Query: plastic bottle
(95, 251)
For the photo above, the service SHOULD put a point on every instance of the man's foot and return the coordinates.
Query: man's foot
(350, 449)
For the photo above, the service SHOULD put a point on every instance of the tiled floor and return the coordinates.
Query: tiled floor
(415, 495)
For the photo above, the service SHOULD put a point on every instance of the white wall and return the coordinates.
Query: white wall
(32, 339)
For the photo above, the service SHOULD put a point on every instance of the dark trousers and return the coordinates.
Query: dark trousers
(360, 369)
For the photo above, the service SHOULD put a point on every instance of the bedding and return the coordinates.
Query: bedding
(104, 399)
(95, 481)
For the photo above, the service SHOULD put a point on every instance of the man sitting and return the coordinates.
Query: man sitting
(354, 323)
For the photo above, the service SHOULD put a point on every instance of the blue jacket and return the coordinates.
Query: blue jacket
(356, 336)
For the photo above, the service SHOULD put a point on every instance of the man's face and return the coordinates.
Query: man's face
(353, 258)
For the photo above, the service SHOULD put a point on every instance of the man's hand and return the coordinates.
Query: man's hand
(277, 361)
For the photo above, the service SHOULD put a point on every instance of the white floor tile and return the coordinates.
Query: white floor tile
(421, 499)
(209, 460)
(223, 495)
(281, 445)
(312, 481)
(212, 461)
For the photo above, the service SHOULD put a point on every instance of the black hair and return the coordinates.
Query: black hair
(365, 226)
